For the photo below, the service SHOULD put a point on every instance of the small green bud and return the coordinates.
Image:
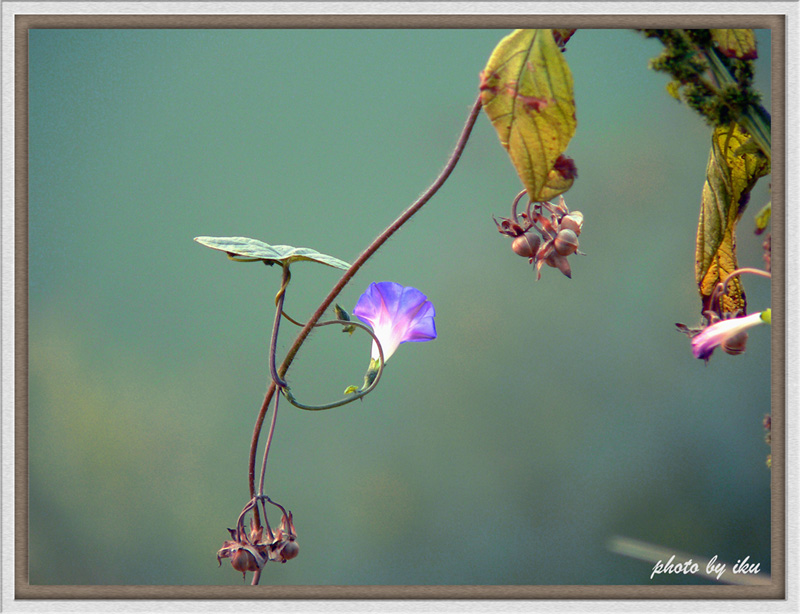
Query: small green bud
(351, 390)
(341, 314)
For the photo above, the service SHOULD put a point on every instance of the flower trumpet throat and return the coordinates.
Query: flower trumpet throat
(397, 314)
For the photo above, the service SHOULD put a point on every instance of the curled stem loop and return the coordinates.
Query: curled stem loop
(722, 287)
(352, 396)
(514, 204)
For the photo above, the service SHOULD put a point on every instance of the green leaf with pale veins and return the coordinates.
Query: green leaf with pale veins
(254, 250)
(736, 43)
(526, 90)
(730, 176)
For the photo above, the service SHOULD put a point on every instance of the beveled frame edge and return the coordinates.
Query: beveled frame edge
(776, 590)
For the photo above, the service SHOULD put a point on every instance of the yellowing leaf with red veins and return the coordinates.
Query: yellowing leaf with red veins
(730, 175)
(559, 179)
(526, 90)
(735, 43)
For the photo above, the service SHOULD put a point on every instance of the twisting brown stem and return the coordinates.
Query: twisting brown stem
(274, 339)
(738, 272)
(268, 445)
(350, 273)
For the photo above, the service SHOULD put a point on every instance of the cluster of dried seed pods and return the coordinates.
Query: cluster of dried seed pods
(545, 233)
(250, 550)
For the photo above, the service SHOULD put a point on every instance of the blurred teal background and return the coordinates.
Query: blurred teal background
(547, 417)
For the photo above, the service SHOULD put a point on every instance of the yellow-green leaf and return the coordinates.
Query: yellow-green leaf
(559, 179)
(730, 175)
(736, 43)
(526, 90)
(674, 89)
(763, 217)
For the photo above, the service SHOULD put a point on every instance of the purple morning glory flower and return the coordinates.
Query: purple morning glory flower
(710, 337)
(397, 314)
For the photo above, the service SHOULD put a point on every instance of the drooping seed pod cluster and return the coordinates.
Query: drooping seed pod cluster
(250, 551)
(545, 233)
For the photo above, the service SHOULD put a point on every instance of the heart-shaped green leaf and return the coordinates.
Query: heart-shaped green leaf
(252, 249)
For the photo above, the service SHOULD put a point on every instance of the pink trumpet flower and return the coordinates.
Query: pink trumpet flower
(710, 337)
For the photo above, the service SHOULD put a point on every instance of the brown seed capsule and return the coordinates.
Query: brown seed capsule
(735, 345)
(290, 550)
(566, 242)
(526, 245)
(244, 561)
(572, 221)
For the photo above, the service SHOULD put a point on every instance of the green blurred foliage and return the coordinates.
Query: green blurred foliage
(546, 417)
